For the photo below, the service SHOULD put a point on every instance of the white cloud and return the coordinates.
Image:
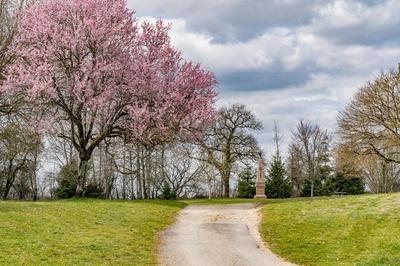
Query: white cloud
(223, 57)
(337, 50)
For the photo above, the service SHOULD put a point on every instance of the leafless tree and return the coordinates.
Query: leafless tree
(295, 169)
(379, 176)
(18, 150)
(308, 152)
(371, 122)
(230, 140)
(182, 172)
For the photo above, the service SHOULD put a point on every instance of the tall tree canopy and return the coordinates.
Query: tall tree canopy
(8, 29)
(309, 154)
(230, 140)
(371, 122)
(91, 66)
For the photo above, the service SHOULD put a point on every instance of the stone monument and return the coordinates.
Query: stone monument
(260, 182)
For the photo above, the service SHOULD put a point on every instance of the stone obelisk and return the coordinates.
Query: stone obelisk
(260, 182)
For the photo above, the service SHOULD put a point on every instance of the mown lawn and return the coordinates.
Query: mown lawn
(351, 230)
(82, 231)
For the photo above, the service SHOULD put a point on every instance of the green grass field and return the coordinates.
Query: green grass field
(351, 230)
(82, 231)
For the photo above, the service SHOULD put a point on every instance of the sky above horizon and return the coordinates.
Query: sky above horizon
(284, 59)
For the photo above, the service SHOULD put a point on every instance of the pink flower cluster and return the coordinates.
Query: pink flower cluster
(92, 57)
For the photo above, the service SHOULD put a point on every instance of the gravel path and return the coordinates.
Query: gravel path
(216, 235)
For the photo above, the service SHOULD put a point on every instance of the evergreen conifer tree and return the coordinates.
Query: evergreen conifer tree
(166, 192)
(277, 185)
(246, 185)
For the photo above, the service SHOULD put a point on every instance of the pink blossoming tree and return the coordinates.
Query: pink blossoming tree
(92, 66)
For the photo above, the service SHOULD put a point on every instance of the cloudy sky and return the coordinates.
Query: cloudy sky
(284, 59)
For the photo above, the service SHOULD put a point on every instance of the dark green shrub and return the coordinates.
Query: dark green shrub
(67, 181)
(337, 183)
(349, 185)
(94, 191)
(320, 188)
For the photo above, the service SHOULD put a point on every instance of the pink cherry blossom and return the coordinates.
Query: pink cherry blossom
(105, 75)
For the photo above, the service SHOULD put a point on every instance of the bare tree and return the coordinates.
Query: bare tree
(295, 169)
(309, 148)
(379, 175)
(230, 140)
(18, 151)
(182, 172)
(371, 123)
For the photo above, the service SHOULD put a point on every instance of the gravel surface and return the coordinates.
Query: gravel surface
(216, 235)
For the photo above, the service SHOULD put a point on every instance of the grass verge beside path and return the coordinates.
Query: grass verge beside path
(82, 231)
(351, 230)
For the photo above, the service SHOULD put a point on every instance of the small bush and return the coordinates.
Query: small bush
(338, 183)
(350, 184)
(94, 191)
(67, 181)
(166, 192)
(320, 188)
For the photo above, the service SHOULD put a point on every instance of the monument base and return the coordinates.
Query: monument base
(260, 181)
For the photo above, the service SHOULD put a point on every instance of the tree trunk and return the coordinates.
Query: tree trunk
(209, 188)
(10, 179)
(163, 175)
(148, 174)
(7, 189)
(312, 189)
(131, 176)
(226, 188)
(144, 188)
(139, 189)
(9, 184)
(225, 181)
(124, 176)
(384, 186)
(82, 172)
(34, 178)
(101, 172)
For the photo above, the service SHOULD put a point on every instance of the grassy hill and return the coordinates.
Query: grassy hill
(351, 230)
(82, 231)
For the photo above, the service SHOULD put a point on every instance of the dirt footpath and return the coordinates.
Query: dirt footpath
(216, 235)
